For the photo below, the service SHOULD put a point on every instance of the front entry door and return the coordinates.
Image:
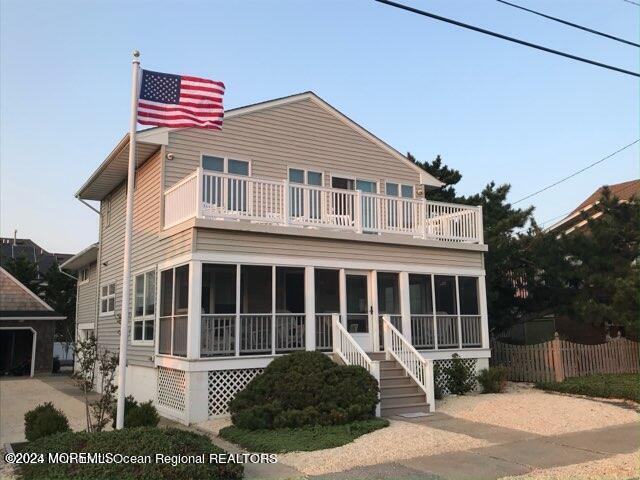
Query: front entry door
(359, 309)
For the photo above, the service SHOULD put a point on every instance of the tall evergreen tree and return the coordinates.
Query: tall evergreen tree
(24, 270)
(60, 292)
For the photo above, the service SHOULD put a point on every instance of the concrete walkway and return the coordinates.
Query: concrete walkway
(515, 452)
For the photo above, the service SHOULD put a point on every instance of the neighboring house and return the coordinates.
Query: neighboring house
(27, 326)
(24, 247)
(85, 268)
(293, 228)
(623, 191)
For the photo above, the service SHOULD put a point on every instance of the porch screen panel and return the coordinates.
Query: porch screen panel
(218, 322)
(180, 310)
(290, 311)
(446, 311)
(469, 312)
(256, 309)
(388, 301)
(421, 305)
(327, 297)
(166, 311)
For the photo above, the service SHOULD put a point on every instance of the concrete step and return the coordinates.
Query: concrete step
(387, 391)
(412, 408)
(403, 399)
(400, 380)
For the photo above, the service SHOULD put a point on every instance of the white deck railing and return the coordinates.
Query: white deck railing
(416, 366)
(205, 194)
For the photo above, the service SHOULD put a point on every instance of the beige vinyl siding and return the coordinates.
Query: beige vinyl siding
(86, 297)
(301, 134)
(230, 242)
(149, 248)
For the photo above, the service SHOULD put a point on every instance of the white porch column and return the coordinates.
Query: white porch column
(343, 296)
(195, 308)
(459, 318)
(484, 314)
(375, 337)
(310, 307)
(405, 305)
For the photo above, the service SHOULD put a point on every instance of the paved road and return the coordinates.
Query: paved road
(515, 453)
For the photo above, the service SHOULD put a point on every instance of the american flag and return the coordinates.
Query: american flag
(179, 101)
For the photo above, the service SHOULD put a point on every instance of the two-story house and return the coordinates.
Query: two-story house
(293, 228)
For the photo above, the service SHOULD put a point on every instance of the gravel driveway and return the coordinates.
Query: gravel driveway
(19, 395)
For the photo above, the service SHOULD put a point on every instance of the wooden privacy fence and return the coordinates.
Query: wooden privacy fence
(558, 359)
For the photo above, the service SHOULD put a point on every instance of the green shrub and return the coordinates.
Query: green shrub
(302, 439)
(460, 377)
(134, 441)
(136, 415)
(493, 379)
(44, 420)
(305, 388)
(603, 385)
(144, 415)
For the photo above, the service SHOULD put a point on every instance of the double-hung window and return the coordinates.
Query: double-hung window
(214, 187)
(144, 306)
(107, 299)
(305, 202)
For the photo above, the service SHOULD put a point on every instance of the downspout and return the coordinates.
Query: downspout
(65, 273)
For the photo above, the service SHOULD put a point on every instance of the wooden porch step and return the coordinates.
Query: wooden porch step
(403, 399)
(397, 381)
(387, 391)
(413, 408)
(394, 371)
(379, 356)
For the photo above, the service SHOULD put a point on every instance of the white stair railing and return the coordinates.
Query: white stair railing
(416, 366)
(351, 353)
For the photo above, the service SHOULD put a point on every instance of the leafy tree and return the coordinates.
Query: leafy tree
(24, 270)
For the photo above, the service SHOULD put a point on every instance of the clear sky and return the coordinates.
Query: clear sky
(493, 110)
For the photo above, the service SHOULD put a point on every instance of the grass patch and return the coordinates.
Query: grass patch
(301, 439)
(609, 385)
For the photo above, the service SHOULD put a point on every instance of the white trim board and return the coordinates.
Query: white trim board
(335, 264)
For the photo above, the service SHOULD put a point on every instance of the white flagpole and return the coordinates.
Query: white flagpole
(126, 271)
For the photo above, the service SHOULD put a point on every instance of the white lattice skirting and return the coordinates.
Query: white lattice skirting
(442, 379)
(224, 385)
(172, 388)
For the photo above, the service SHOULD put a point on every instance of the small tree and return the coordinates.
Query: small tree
(92, 360)
(460, 377)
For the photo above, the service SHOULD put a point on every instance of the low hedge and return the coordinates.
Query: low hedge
(493, 379)
(131, 441)
(603, 385)
(305, 388)
(302, 439)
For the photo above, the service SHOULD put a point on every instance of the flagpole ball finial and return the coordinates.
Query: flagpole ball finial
(136, 53)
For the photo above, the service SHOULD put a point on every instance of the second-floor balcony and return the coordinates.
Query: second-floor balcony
(219, 196)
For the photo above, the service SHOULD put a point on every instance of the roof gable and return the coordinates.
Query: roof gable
(15, 296)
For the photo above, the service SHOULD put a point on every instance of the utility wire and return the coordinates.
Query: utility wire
(575, 25)
(632, 3)
(507, 38)
(576, 173)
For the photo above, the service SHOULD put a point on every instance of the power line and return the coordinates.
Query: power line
(576, 173)
(575, 25)
(505, 37)
(632, 3)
